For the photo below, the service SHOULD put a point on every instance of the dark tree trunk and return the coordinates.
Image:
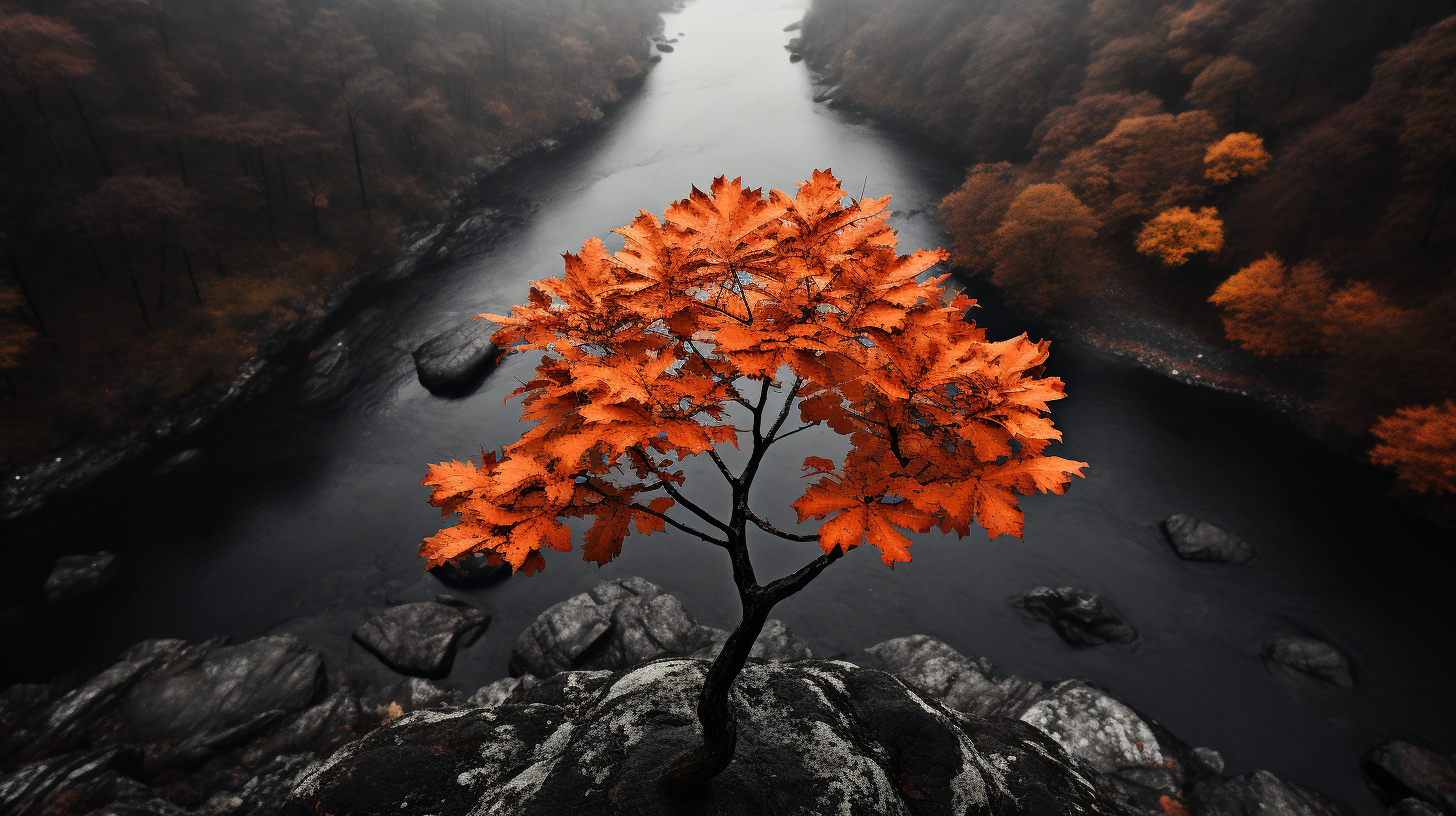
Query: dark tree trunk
(191, 278)
(90, 132)
(358, 164)
(136, 288)
(25, 292)
(96, 259)
(282, 177)
(45, 122)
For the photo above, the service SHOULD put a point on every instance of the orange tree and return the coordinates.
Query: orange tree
(651, 352)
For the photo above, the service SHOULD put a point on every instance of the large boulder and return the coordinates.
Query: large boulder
(75, 575)
(1310, 656)
(1259, 793)
(960, 682)
(1196, 540)
(813, 738)
(1080, 617)
(1107, 734)
(455, 362)
(420, 638)
(614, 625)
(1397, 770)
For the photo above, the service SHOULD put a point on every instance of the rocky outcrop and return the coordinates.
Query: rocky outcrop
(75, 575)
(963, 683)
(621, 623)
(1312, 657)
(814, 738)
(1398, 770)
(471, 570)
(1259, 793)
(421, 638)
(1196, 540)
(1080, 617)
(455, 362)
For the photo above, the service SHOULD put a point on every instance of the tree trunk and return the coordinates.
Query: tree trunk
(191, 278)
(282, 177)
(96, 258)
(90, 132)
(358, 165)
(25, 292)
(45, 122)
(696, 767)
(136, 288)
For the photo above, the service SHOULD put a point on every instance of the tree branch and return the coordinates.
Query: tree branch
(672, 491)
(769, 528)
(789, 584)
(794, 431)
(704, 536)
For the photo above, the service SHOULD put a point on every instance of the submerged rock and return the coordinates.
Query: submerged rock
(1398, 770)
(1079, 616)
(455, 362)
(1259, 793)
(1196, 540)
(75, 575)
(469, 570)
(1312, 657)
(813, 738)
(420, 638)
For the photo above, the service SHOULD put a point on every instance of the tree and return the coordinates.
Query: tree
(15, 336)
(974, 210)
(1146, 164)
(681, 345)
(1237, 154)
(1419, 444)
(1175, 234)
(1224, 88)
(1271, 309)
(1043, 245)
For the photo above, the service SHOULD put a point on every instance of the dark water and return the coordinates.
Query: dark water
(306, 520)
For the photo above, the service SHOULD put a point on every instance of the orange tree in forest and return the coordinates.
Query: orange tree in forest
(676, 345)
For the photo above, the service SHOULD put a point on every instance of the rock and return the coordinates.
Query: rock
(665, 48)
(1313, 657)
(1411, 806)
(226, 692)
(470, 570)
(1102, 731)
(1080, 617)
(776, 642)
(420, 695)
(69, 783)
(75, 575)
(324, 726)
(1196, 540)
(794, 26)
(420, 638)
(329, 374)
(1206, 761)
(963, 684)
(614, 625)
(1398, 770)
(455, 362)
(266, 792)
(492, 695)
(1258, 793)
(814, 738)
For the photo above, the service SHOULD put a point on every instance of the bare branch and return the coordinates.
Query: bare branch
(789, 584)
(769, 528)
(673, 491)
(704, 536)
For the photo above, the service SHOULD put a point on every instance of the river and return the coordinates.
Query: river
(306, 520)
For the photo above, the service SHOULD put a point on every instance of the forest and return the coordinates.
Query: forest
(1278, 175)
(182, 178)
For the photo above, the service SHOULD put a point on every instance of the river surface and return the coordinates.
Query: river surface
(307, 520)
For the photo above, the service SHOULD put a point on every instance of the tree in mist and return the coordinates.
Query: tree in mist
(15, 335)
(1225, 88)
(1172, 235)
(1237, 154)
(974, 211)
(1043, 246)
(1146, 164)
(1419, 444)
(1272, 309)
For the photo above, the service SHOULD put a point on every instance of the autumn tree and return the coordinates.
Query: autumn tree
(1224, 88)
(1174, 234)
(974, 210)
(704, 333)
(15, 335)
(1043, 245)
(1419, 444)
(1237, 154)
(1145, 165)
(1271, 309)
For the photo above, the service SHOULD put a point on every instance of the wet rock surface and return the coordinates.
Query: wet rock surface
(75, 575)
(963, 683)
(1259, 793)
(455, 362)
(1399, 770)
(471, 570)
(421, 638)
(814, 738)
(1080, 617)
(1312, 657)
(1196, 540)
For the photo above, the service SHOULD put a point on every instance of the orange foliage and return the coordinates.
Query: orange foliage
(1175, 234)
(1419, 444)
(1271, 309)
(36, 50)
(1043, 245)
(15, 335)
(1237, 154)
(973, 210)
(1354, 312)
(670, 349)
(1172, 806)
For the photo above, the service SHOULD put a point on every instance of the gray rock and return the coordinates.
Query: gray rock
(228, 688)
(776, 642)
(319, 728)
(330, 372)
(1312, 657)
(1206, 761)
(1080, 617)
(1196, 540)
(794, 26)
(814, 738)
(265, 793)
(179, 461)
(615, 625)
(665, 48)
(75, 575)
(420, 695)
(78, 713)
(456, 361)
(494, 694)
(1100, 730)
(963, 684)
(1258, 793)
(470, 570)
(420, 638)
(1413, 807)
(1399, 770)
